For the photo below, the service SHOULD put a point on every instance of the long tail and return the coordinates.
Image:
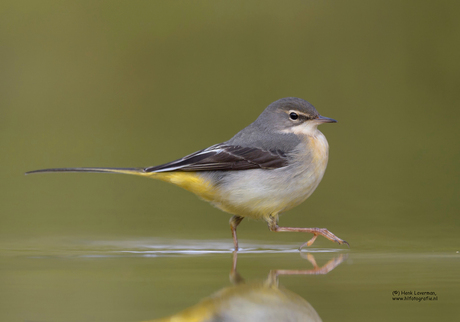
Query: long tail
(188, 180)
(136, 171)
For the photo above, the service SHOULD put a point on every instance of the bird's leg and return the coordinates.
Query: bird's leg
(273, 226)
(235, 277)
(326, 268)
(234, 222)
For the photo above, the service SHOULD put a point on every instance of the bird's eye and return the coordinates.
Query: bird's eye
(293, 116)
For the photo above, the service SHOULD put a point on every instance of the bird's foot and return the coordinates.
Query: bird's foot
(325, 233)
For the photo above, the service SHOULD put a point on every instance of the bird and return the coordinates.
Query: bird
(266, 169)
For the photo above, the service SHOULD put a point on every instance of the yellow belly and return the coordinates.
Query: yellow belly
(190, 181)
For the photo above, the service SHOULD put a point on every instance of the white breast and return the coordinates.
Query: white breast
(259, 193)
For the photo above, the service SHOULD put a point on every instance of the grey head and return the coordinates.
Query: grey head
(274, 129)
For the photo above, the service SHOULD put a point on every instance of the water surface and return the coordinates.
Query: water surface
(137, 280)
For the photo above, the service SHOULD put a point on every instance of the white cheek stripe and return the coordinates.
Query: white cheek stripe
(302, 129)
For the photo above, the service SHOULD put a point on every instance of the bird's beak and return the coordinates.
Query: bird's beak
(323, 119)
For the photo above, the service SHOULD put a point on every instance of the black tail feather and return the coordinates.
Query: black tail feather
(97, 170)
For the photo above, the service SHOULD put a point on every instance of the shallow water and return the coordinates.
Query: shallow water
(148, 279)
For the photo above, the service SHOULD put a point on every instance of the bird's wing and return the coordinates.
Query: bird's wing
(225, 157)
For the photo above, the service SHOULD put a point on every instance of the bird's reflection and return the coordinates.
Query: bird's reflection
(264, 301)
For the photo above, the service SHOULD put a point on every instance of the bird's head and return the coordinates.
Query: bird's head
(292, 115)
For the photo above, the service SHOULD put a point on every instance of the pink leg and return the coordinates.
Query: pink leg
(234, 222)
(273, 226)
(326, 268)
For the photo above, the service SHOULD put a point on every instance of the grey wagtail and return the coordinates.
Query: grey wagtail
(267, 168)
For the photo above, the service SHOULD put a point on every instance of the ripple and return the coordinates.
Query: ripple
(203, 247)
(151, 247)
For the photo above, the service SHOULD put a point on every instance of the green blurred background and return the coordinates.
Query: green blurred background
(140, 83)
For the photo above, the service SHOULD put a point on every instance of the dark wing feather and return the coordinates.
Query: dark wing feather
(225, 157)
